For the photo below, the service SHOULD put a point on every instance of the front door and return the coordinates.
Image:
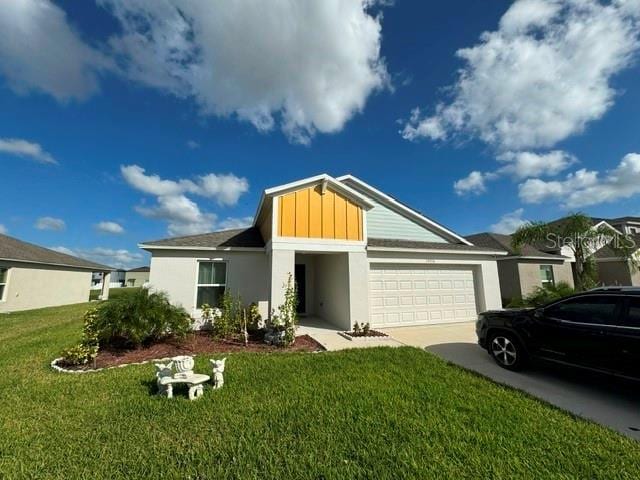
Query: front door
(301, 287)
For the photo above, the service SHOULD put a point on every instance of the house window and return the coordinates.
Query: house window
(4, 273)
(546, 275)
(212, 282)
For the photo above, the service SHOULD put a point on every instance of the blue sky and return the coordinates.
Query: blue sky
(207, 105)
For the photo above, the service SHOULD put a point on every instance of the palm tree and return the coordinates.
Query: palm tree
(578, 233)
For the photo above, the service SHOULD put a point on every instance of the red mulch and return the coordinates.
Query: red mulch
(199, 342)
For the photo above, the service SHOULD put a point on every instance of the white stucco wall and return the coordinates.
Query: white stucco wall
(176, 272)
(358, 287)
(38, 286)
(282, 264)
(332, 289)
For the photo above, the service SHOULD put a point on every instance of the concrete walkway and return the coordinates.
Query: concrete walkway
(615, 404)
(327, 335)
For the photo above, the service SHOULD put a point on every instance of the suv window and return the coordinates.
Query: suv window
(633, 314)
(599, 310)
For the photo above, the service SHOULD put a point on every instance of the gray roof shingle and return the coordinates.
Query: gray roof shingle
(501, 242)
(393, 243)
(609, 252)
(19, 251)
(239, 238)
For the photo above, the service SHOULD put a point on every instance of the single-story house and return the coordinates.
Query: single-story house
(136, 277)
(522, 271)
(36, 277)
(356, 254)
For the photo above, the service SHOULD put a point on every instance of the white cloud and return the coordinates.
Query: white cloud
(523, 165)
(518, 165)
(3, 229)
(231, 223)
(184, 215)
(109, 227)
(307, 66)
(541, 77)
(509, 222)
(24, 148)
(226, 189)
(192, 144)
(50, 223)
(473, 184)
(40, 51)
(584, 188)
(118, 258)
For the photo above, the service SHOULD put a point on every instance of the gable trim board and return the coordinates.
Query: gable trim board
(338, 270)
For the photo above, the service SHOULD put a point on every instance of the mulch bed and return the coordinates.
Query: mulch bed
(196, 343)
(370, 333)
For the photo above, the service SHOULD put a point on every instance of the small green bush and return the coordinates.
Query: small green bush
(543, 295)
(87, 349)
(141, 317)
(286, 318)
(79, 354)
(228, 320)
(254, 319)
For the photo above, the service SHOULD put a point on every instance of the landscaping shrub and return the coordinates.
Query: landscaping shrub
(87, 349)
(543, 295)
(229, 319)
(282, 325)
(254, 319)
(138, 318)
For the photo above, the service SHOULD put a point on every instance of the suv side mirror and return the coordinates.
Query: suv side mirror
(538, 312)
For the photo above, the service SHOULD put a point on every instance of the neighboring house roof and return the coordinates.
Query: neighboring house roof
(624, 220)
(238, 238)
(403, 208)
(140, 269)
(503, 242)
(595, 221)
(608, 252)
(16, 250)
(417, 245)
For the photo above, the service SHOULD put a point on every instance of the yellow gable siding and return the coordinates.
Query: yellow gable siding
(309, 213)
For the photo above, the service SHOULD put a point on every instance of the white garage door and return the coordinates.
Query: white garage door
(420, 295)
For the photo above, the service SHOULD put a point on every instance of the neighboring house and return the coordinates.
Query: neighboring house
(613, 270)
(522, 271)
(136, 277)
(357, 255)
(628, 225)
(35, 277)
(116, 279)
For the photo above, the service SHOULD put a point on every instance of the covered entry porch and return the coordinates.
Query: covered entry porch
(332, 286)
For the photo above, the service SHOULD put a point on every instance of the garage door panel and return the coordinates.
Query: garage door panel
(417, 295)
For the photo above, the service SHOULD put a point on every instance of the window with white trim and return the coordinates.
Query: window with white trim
(212, 282)
(546, 275)
(4, 273)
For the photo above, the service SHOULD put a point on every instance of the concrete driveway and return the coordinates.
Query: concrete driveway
(615, 404)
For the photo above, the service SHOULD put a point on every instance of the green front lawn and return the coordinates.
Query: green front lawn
(113, 292)
(372, 413)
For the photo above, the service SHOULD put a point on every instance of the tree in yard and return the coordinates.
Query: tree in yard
(578, 233)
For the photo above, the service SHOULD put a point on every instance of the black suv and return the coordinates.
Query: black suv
(597, 330)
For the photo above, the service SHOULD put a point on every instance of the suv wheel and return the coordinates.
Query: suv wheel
(507, 351)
